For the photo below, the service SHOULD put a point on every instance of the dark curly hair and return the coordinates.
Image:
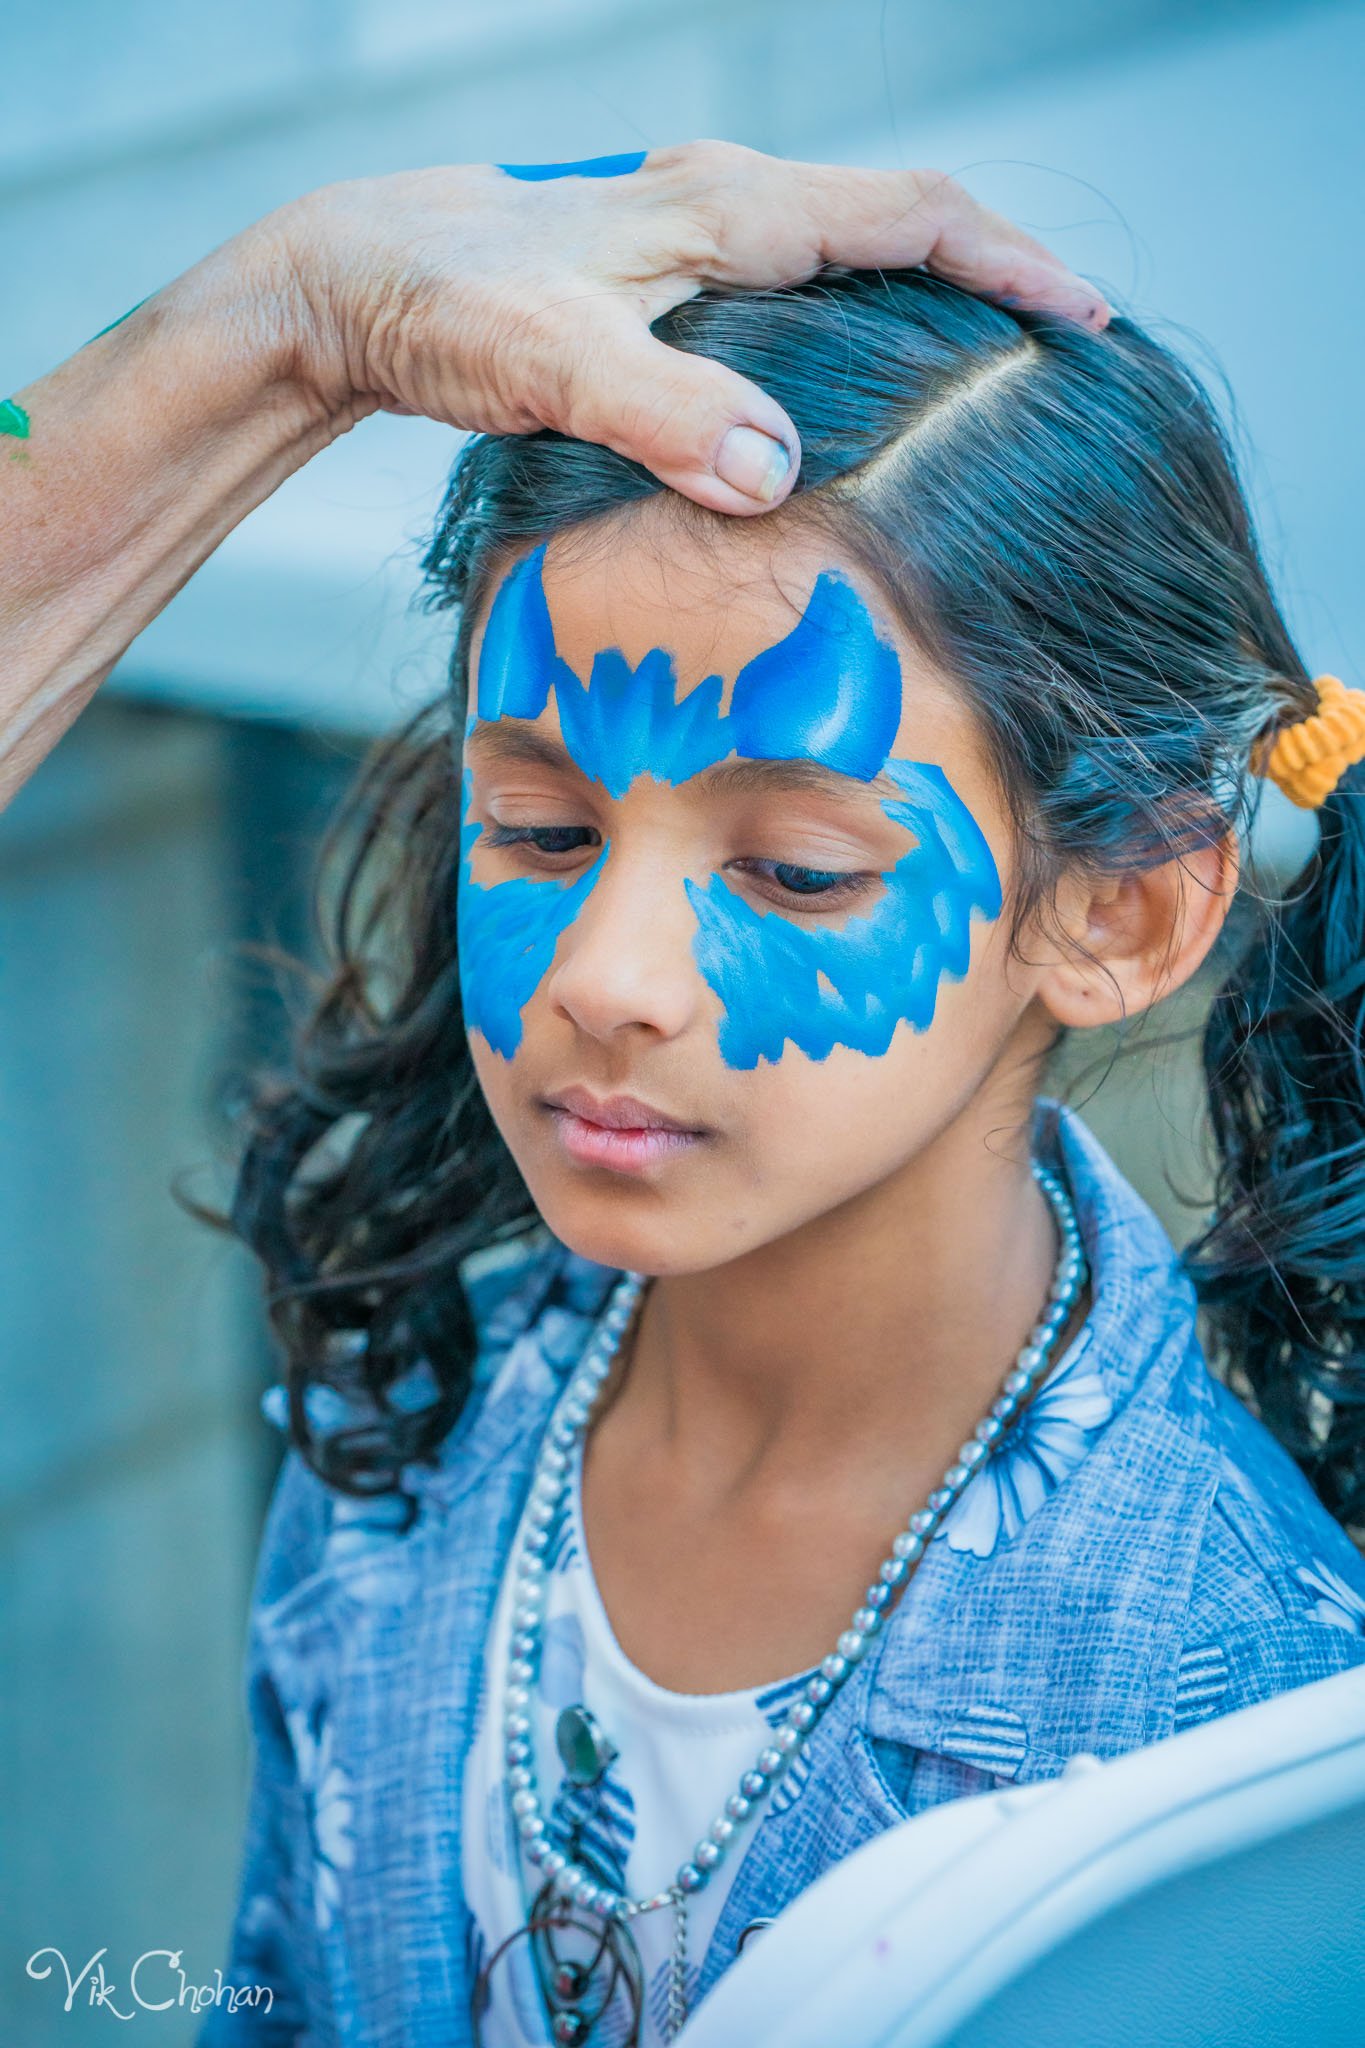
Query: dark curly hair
(1056, 517)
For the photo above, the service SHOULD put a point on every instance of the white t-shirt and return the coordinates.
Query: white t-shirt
(680, 1755)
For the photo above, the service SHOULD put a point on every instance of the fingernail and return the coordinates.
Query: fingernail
(752, 463)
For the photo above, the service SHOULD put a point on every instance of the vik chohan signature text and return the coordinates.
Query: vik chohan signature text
(156, 1983)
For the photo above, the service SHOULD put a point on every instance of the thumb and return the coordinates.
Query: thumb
(699, 427)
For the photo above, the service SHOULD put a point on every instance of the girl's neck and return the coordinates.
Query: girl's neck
(881, 1328)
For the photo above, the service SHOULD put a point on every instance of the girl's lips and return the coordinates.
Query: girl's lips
(621, 1134)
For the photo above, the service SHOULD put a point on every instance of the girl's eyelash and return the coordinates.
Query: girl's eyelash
(825, 885)
(549, 839)
(820, 887)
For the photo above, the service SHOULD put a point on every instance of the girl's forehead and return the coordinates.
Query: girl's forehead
(802, 630)
(713, 605)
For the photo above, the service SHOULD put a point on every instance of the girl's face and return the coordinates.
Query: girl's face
(730, 928)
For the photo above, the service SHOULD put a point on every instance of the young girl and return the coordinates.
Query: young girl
(731, 1407)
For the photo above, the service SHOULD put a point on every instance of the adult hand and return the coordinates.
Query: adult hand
(503, 303)
(489, 299)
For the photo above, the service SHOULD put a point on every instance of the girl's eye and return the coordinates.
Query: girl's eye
(546, 839)
(807, 881)
(786, 878)
(783, 881)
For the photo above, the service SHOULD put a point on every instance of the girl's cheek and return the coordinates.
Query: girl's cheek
(506, 936)
(816, 986)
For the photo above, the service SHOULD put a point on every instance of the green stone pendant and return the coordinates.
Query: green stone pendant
(585, 1750)
(13, 419)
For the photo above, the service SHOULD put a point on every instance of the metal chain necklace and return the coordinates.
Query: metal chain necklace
(563, 1878)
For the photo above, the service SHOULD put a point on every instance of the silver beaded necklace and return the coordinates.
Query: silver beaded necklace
(570, 1881)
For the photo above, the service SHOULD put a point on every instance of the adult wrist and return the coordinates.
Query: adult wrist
(306, 265)
(241, 325)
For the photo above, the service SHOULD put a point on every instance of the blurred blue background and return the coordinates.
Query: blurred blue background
(1204, 159)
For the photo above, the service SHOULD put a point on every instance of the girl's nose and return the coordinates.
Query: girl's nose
(626, 961)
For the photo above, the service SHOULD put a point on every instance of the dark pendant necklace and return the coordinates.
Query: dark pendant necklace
(605, 1975)
(572, 1892)
(578, 1989)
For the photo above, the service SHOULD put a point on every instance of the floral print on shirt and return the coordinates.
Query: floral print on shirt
(328, 1791)
(1146, 1588)
(1049, 1440)
(1337, 1604)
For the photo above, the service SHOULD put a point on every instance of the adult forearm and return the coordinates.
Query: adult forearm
(489, 302)
(144, 449)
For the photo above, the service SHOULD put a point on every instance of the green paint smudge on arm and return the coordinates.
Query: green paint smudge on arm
(119, 322)
(13, 419)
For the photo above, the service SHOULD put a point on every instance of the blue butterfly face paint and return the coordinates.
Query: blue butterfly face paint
(818, 988)
(507, 937)
(626, 722)
(586, 167)
(828, 693)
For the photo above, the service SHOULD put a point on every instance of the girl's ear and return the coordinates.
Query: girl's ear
(1128, 940)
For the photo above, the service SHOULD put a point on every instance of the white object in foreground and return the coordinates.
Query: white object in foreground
(1205, 1892)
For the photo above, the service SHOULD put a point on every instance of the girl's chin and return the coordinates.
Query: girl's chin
(658, 1246)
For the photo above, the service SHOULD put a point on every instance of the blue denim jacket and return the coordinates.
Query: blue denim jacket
(1143, 1558)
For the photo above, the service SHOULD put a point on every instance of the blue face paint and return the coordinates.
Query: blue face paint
(586, 167)
(819, 987)
(623, 722)
(507, 937)
(627, 722)
(518, 665)
(829, 692)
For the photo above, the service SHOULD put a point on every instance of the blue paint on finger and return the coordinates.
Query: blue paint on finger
(586, 167)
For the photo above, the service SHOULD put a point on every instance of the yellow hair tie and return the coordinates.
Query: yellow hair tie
(1308, 760)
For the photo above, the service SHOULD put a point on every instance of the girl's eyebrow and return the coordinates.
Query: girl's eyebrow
(795, 776)
(512, 743)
